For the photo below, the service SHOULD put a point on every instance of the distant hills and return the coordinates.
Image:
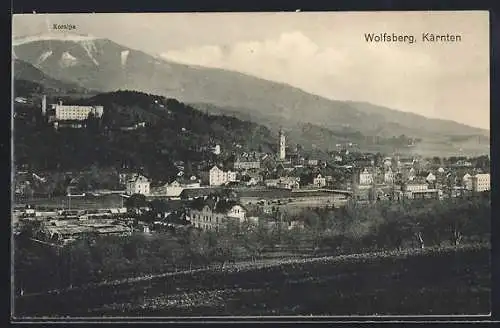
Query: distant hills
(101, 64)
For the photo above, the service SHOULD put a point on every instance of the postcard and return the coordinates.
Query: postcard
(251, 165)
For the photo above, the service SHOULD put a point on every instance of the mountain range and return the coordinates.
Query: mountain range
(103, 65)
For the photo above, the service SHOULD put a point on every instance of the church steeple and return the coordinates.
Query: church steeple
(282, 145)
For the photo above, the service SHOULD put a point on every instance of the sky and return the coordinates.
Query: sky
(322, 53)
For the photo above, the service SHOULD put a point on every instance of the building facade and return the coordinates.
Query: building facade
(218, 177)
(389, 176)
(319, 181)
(365, 177)
(214, 214)
(467, 181)
(75, 112)
(244, 164)
(138, 184)
(412, 187)
(481, 182)
(289, 183)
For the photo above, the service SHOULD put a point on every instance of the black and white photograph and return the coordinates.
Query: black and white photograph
(250, 165)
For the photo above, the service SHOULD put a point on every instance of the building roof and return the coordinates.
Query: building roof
(138, 178)
(215, 205)
(198, 192)
(224, 206)
(248, 157)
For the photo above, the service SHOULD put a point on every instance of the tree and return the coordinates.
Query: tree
(136, 201)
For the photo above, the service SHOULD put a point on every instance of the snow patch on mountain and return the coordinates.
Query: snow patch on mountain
(43, 57)
(90, 48)
(124, 56)
(53, 36)
(67, 60)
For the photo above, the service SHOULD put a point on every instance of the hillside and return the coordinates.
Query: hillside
(394, 137)
(29, 80)
(101, 64)
(173, 132)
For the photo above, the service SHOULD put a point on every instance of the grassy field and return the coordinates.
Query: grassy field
(433, 281)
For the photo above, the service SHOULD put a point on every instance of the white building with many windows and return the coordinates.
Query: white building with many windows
(138, 184)
(218, 177)
(75, 112)
(481, 182)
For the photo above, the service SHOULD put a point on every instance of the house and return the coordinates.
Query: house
(312, 162)
(193, 193)
(218, 177)
(175, 188)
(216, 150)
(272, 183)
(254, 180)
(319, 181)
(296, 224)
(421, 191)
(214, 213)
(411, 174)
(123, 177)
(389, 176)
(289, 183)
(365, 177)
(138, 184)
(467, 181)
(431, 178)
(411, 187)
(481, 182)
(247, 162)
(463, 163)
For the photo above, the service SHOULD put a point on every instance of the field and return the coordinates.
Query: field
(442, 281)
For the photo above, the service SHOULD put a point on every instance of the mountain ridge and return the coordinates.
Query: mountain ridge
(102, 65)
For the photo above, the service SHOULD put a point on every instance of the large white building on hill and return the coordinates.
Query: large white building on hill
(75, 112)
(60, 112)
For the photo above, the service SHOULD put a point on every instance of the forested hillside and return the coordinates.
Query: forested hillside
(172, 131)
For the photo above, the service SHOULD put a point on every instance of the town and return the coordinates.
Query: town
(236, 185)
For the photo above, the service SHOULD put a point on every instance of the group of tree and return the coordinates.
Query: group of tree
(331, 231)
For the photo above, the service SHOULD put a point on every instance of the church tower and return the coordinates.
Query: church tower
(282, 151)
(44, 105)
